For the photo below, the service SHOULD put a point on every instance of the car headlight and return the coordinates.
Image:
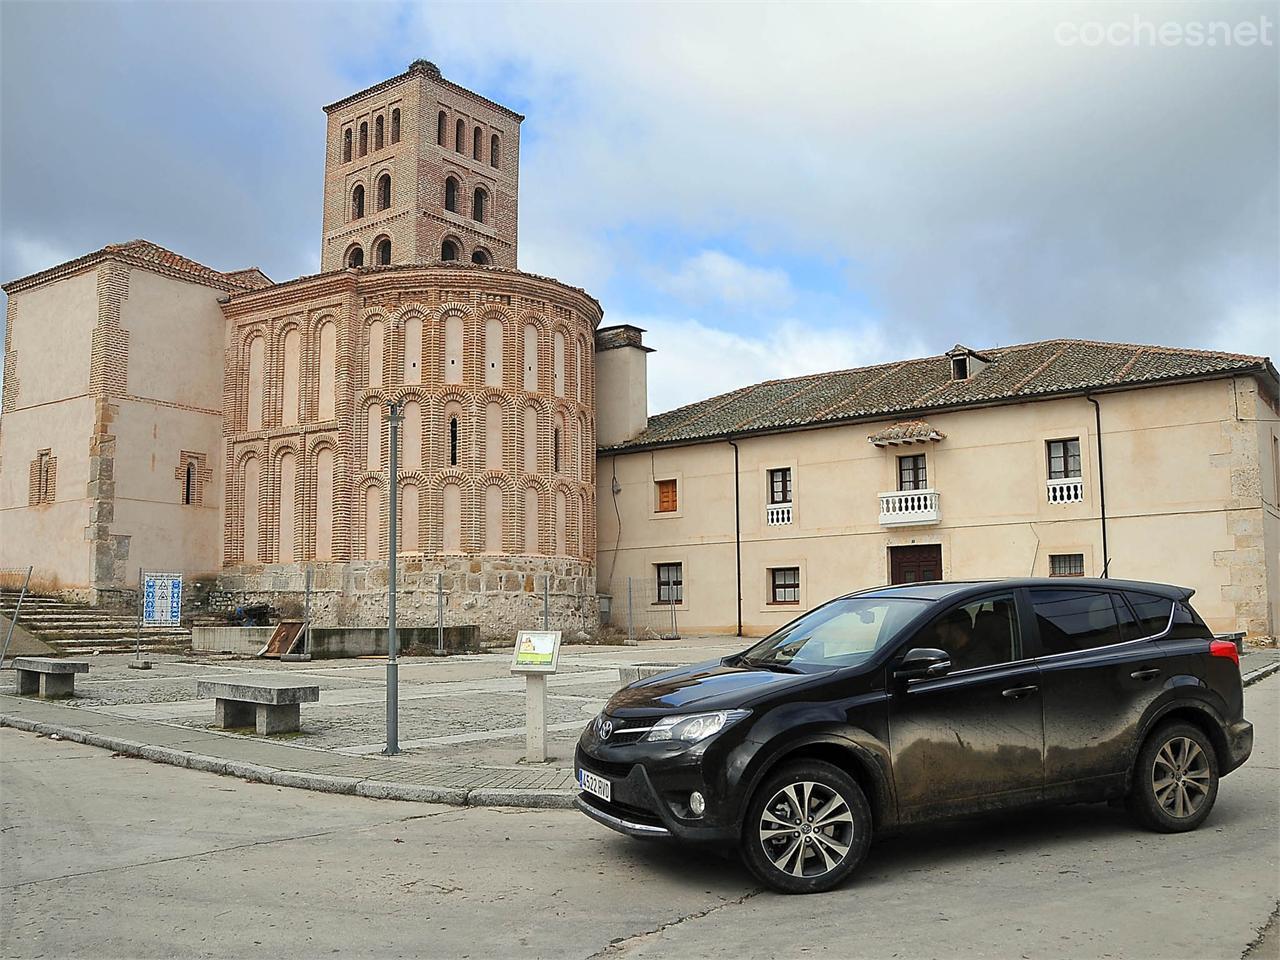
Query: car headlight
(694, 727)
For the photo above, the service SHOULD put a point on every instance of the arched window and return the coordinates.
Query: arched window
(531, 520)
(328, 370)
(478, 204)
(290, 406)
(410, 508)
(530, 440)
(372, 522)
(355, 256)
(384, 191)
(189, 485)
(382, 252)
(451, 194)
(453, 441)
(477, 143)
(493, 518)
(346, 145)
(377, 133)
(375, 353)
(257, 372)
(411, 437)
(557, 357)
(493, 435)
(324, 503)
(395, 125)
(448, 250)
(493, 150)
(530, 358)
(373, 437)
(481, 256)
(453, 348)
(364, 139)
(413, 349)
(492, 351)
(251, 498)
(460, 137)
(440, 122)
(562, 509)
(286, 514)
(357, 202)
(451, 501)
(555, 450)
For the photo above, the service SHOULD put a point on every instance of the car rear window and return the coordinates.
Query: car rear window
(1187, 623)
(1152, 613)
(1071, 620)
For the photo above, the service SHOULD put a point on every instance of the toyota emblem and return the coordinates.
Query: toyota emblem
(604, 728)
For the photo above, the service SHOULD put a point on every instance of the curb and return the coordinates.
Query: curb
(1261, 673)
(301, 779)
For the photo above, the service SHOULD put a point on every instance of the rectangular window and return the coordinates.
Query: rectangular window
(1152, 614)
(665, 491)
(1064, 458)
(784, 585)
(911, 473)
(670, 582)
(780, 485)
(1071, 620)
(1066, 564)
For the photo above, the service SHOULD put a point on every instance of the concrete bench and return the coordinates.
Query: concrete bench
(643, 671)
(47, 677)
(269, 706)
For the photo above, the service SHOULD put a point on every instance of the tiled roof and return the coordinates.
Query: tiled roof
(913, 387)
(144, 253)
(908, 431)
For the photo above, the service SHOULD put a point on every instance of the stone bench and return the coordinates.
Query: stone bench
(269, 707)
(47, 677)
(643, 671)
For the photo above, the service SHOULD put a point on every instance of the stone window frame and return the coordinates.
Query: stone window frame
(201, 473)
(43, 479)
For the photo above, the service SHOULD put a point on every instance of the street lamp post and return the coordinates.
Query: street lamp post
(393, 645)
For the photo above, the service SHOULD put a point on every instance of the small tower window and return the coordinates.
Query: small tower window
(189, 485)
(453, 441)
(451, 194)
(346, 145)
(460, 137)
(478, 205)
(448, 250)
(355, 256)
(440, 122)
(384, 191)
(960, 367)
(481, 256)
(395, 125)
(382, 252)
(477, 143)
(357, 202)
(377, 133)
(364, 139)
(555, 450)
(493, 150)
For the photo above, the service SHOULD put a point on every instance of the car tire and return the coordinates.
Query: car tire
(791, 853)
(1175, 779)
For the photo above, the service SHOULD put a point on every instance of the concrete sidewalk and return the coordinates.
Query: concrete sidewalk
(477, 763)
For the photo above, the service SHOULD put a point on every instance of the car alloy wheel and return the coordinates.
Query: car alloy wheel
(1180, 777)
(806, 829)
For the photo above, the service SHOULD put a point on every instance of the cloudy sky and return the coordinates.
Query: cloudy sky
(770, 190)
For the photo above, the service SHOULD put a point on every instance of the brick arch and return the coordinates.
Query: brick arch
(360, 351)
(359, 524)
(394, 343)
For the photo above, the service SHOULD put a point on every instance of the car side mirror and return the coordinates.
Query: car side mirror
(922, 662)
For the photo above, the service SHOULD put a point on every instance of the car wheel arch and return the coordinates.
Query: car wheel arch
(1195, 712)
(840, 752)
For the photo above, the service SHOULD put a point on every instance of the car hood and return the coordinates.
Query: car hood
(703, 686)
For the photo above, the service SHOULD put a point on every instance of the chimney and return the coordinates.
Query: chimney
(622, 382)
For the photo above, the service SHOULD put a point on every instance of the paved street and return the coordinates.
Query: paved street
(118, 857)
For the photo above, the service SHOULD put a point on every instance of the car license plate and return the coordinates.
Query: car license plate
(595, 785)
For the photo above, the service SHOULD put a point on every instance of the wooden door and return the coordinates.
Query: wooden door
(914, 563)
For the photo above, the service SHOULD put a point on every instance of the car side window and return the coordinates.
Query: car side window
(1071, 620)
(978, 634)
(1152, 613)
(1187, 624)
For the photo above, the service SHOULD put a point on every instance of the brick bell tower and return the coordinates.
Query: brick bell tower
(418, 170)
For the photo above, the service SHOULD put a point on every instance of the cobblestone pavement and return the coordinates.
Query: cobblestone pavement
(461, 719)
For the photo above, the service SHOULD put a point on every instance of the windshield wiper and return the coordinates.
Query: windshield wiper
(771, 665)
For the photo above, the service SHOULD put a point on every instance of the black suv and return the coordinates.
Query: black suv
(913, 703)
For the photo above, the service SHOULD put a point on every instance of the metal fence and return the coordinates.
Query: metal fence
(638, 610)
(13, 580)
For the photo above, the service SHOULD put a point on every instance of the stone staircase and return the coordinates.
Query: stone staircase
(78, 628)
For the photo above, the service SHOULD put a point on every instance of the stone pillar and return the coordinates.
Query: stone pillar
(229, 714)
(54, 686)
(278, 718)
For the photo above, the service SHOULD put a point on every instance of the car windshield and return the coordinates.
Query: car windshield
(837, 634)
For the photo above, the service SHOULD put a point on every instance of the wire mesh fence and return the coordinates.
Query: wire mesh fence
(647, 612)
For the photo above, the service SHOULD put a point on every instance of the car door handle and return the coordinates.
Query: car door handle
(1149, 674)
(1017, 693)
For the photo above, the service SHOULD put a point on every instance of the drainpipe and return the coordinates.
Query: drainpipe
(1102, 486)
(737, 532)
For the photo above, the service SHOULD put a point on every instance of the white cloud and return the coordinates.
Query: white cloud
(693, 360)
(24, 254)
(714, 276)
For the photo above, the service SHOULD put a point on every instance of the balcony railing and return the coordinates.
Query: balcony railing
(1066, 490)
(904, 508)
(777, 514)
